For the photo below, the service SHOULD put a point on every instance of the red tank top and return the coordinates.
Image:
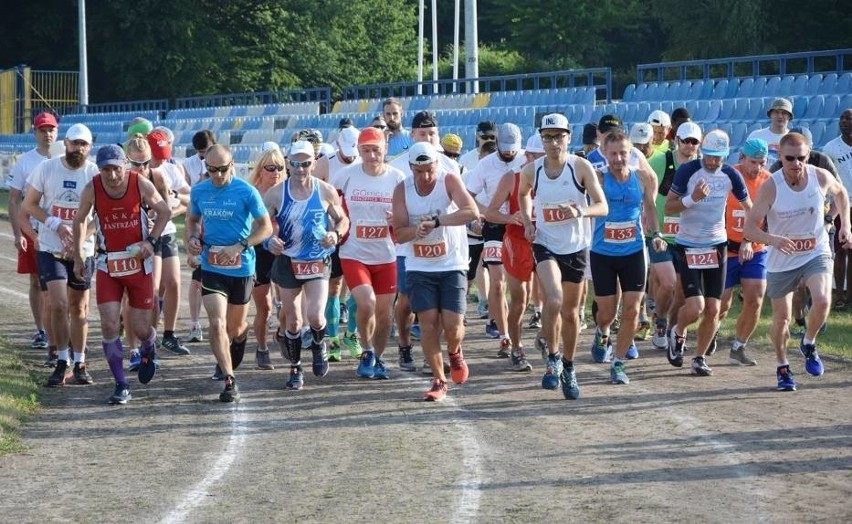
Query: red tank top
(513, 230)
(120, 219)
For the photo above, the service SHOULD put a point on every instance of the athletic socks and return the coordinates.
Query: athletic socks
(332, 316)
(114, 353)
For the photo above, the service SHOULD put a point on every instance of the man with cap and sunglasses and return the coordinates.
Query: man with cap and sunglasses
(121, 200)
(699, 193)
(746, 265)
(44, 129)
(368, 255)
(310, 223)
(235, 220)
(52, 198)
(430, 210)
(798, 247)
(482, 184)
(563, 191)
(641, 136)
(780, 114)
(486, 131)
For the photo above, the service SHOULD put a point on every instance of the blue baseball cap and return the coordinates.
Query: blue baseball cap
(110, 155)
(755, 148)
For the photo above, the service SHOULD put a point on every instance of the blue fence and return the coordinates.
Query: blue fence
(317, 94)
(830, 61)
(160, 104)
(600, 78)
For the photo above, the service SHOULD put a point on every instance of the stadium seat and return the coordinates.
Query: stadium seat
(831, 107)
(845, 103)
(829, 84)
(800, 106)
(713, 109)
(746, 88)
(814, 84)
(726, 111)
(738, 133)
(759, 87)
(773, 87)
(814, 109)
(844, 84)
(818, 131)
(786, 86)
(721, 89)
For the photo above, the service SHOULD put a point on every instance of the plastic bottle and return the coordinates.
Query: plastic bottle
(134, 250)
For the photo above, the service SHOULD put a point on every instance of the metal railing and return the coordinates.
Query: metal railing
(316, 94)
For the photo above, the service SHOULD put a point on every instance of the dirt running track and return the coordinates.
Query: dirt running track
(667, 448)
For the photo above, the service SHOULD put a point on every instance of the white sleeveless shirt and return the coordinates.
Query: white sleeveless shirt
(556, 230)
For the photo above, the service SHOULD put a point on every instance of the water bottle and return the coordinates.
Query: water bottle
(319, 231)
(134, 250)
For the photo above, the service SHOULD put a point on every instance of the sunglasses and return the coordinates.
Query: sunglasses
(452, 155)
(219, 169)
(143, 163)
(488, 137)
(273, 168)
(295, 164)
(690, 141)
(790, 158)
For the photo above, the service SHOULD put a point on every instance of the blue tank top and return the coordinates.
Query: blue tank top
(620, 232)
(302, 224)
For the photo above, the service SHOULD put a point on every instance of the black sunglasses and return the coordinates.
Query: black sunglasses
(691, 141)
(451, 155)
(273, 167)
(790, 158)
(488, 137)
(143, 163)
(295, 164)
(219, 169)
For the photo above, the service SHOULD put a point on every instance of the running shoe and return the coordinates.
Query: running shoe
(262, 360)
(415, 331)
(616, 325)
(618, 374)
(813, 364)
(482, 310)
(296, 379)
(52, 357)
(541, 345)
(380, 372)
(550, 380)
(535, 321)
(81, 375)
(674, 354)
(632, 352)
(458, 367)
(796, 329)
(173, 344)
(350, 342)
(660, 340)
(406, 360)
(344, 313)
(426, 369)
(195, 334)
(57, 378)
(135, 360)
(147, 368)
(39, 340)
(713, 345)
(319, 354)
(491, 329)
(505, 348)
(231, 393)
(334, 353)
(367, 364)
(217, 374)
(786, 382)
(643, 332)
(568, 380)
(437, 392)
(740, 357)
(519, 361)
(121, 394)
(700, 367)
(601, 348)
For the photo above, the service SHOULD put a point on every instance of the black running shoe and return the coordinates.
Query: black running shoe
(81, 376)
(231, 393)
(217, 374)
(173, 344)
(147, 367)
(121, 394)
(700, 367)
(57, 378)
(675, 351)
(238, 351)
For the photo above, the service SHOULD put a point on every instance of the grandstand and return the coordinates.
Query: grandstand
(734, 102)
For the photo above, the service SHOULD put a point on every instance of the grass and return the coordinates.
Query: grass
(18, 397)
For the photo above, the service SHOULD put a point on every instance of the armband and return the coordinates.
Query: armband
(687, 201)
(53, 222)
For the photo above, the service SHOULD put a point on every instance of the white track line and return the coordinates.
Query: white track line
(199, 493)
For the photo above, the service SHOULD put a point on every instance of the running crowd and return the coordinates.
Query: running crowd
(407, 226)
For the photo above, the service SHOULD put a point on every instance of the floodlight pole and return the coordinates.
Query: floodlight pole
(471, 45)
(420, 47)
(82, 79)
(456, 47)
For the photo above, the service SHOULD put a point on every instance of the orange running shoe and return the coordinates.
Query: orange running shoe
(458, 368)
(437, 392)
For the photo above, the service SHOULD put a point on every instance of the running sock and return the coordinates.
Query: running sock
(146, 346)
(168, 334)
(80, 357)
(567, 364)
(738, 345)
(537, 309)
(63, 355)
(782, 363)
(332, 316)
(114, 353)
(318, 334)
(806, 341)
(352, 325)
(293, 347)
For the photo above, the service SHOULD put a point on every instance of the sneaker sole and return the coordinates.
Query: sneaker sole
(779, 388)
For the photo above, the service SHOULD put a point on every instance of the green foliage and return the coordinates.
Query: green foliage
(18, 397)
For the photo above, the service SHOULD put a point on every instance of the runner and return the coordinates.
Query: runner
(234, 221)
(430, 210)
(798, 247)
(126, 247)
(310, 223)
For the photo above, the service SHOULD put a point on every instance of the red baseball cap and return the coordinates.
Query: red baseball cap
(371, 135)
(161, 149)
(44, 119)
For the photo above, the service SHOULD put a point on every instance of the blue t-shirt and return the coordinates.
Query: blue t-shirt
(619, 233)
(227, 214)
(398, 144)
(703, 224)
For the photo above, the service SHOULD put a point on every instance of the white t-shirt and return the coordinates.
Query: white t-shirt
(469, 159)
(194, 167)
(773, 139)
(17, 178)
(335, 167)
(61, 188)
(485, 177)
(174, 177)
(841, 154)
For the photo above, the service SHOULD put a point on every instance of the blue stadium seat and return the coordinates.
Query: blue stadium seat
(643, 110)
(726, 111)
(845, 103)
(668, 106)
(786, 86)
(759, 87)
(746, 88)
(818, 131)
(691, 105)
(773, 87)
(683, 92)
(700, 110)
(720, 90)
(814, 109)
(738, 133)
(831, 107)
(844, 84)
(714, 107)
(829, 84)
(800, 106)
(672, 91)
(814, 84)
(800, 85)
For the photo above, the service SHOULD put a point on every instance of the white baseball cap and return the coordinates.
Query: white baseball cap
(79, 132)
(347, 141)
(554, 121)
(509, 138)
(422, 153)
(716, 143)
(689, 130)
(641, 133)
(301, 147)
(659, 118)
(534, 144)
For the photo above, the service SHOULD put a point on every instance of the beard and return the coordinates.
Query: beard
(506, 157)
(75, 159)
(393, 126)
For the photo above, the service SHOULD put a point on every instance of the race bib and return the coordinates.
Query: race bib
(803, 243)
(307, 269)
(216, 259)
(556, 213)
(65, 211)
(372, 231)
(492, 251)
(122, 264)
(739, 220)
(434, 250)
(671, 225)
(619, 232)
(702, 258)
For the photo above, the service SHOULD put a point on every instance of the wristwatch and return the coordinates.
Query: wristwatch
(436, 221)
(245, 244)
(153, 240)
